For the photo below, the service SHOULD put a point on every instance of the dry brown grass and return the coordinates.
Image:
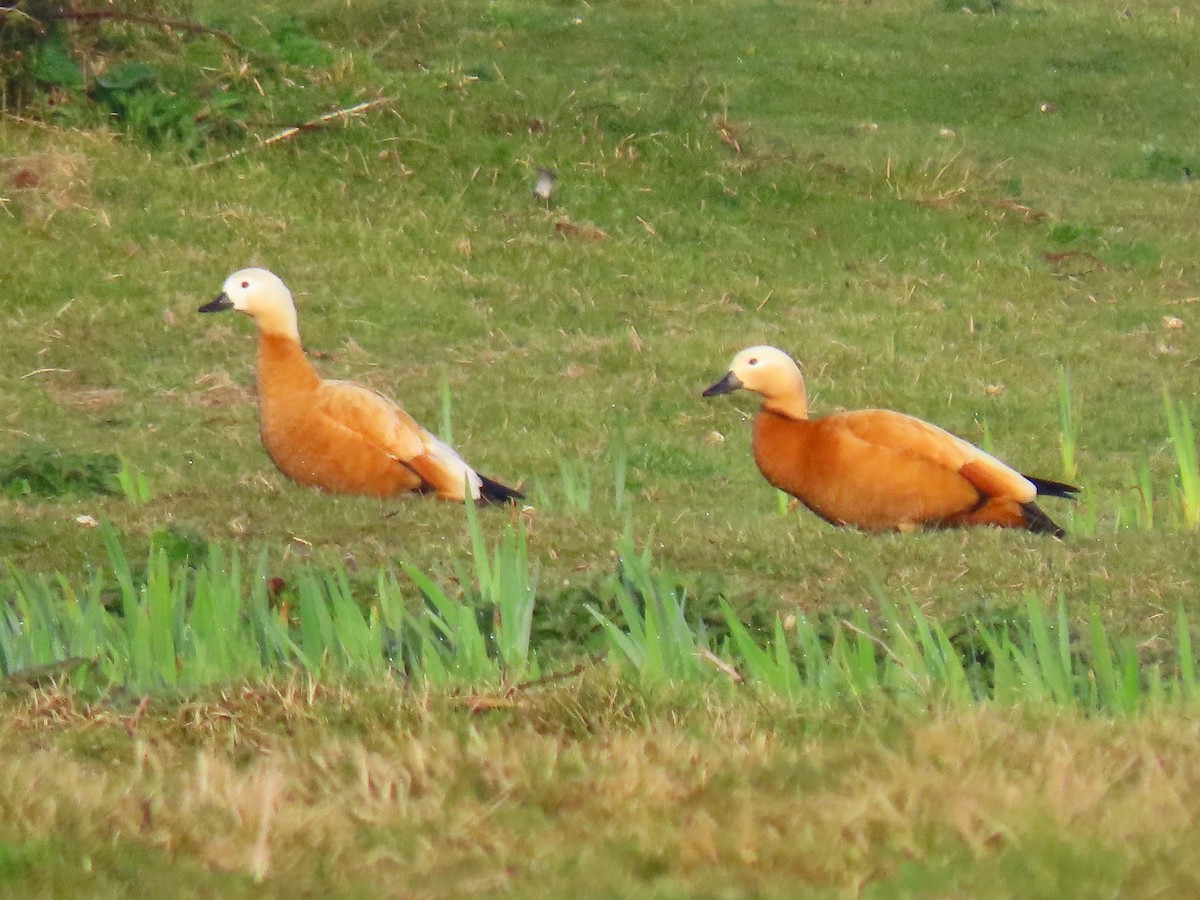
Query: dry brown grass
(419, 793)
(42, 184)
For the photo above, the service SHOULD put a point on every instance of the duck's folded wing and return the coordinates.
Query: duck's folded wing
(385, 424)
(988, 475)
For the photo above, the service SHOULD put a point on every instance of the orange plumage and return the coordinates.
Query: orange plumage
(336, 435)
(875, 469)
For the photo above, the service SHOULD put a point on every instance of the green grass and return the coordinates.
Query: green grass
(178, 627)
(937, 211)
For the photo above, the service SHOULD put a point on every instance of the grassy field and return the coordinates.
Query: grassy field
(970, 216)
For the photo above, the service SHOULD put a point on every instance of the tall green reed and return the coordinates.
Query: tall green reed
(446, 432)
(656, 639)
(907, 657)
(579, 486)
(180, 627)
(132, 481)
(176, 627)
(1183, 441)
(1068, 427)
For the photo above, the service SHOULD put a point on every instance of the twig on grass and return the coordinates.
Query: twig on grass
(131, 722)
(45, 371)
(553, 677)
(96, 15)
(725, 668)
(846, 623)
(9, 116)
(480, 703)
(116, 15)
(293, 130)
(507, 698)
(39, 676)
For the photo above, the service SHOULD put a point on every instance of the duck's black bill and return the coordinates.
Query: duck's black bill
(726, 385)
(217, 304)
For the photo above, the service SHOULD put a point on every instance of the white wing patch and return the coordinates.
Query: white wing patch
(452, 462)
(403, 437)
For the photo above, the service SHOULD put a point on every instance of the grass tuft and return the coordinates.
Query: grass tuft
(171, 627)
(41, 471)
(1068, 427)
(1183, 441)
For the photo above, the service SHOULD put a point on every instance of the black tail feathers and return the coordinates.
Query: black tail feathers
(1040, 523)
(1048, 488)
(1036, 520)
(494, 492)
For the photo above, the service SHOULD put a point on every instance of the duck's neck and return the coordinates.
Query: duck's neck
(283, 368)
(278, 320)
(793, 404)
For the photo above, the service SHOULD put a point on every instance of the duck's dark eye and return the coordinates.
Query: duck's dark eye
(245, 284)
(749, 362)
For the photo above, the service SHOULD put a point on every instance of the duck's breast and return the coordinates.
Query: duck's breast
(318, 437)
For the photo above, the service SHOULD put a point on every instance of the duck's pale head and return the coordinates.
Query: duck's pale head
(768, 372)
(261, 295)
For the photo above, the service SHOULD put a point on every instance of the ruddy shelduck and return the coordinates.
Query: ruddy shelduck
(875, 469)
(336, 435)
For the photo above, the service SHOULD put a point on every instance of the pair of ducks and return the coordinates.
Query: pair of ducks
(872, 469)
